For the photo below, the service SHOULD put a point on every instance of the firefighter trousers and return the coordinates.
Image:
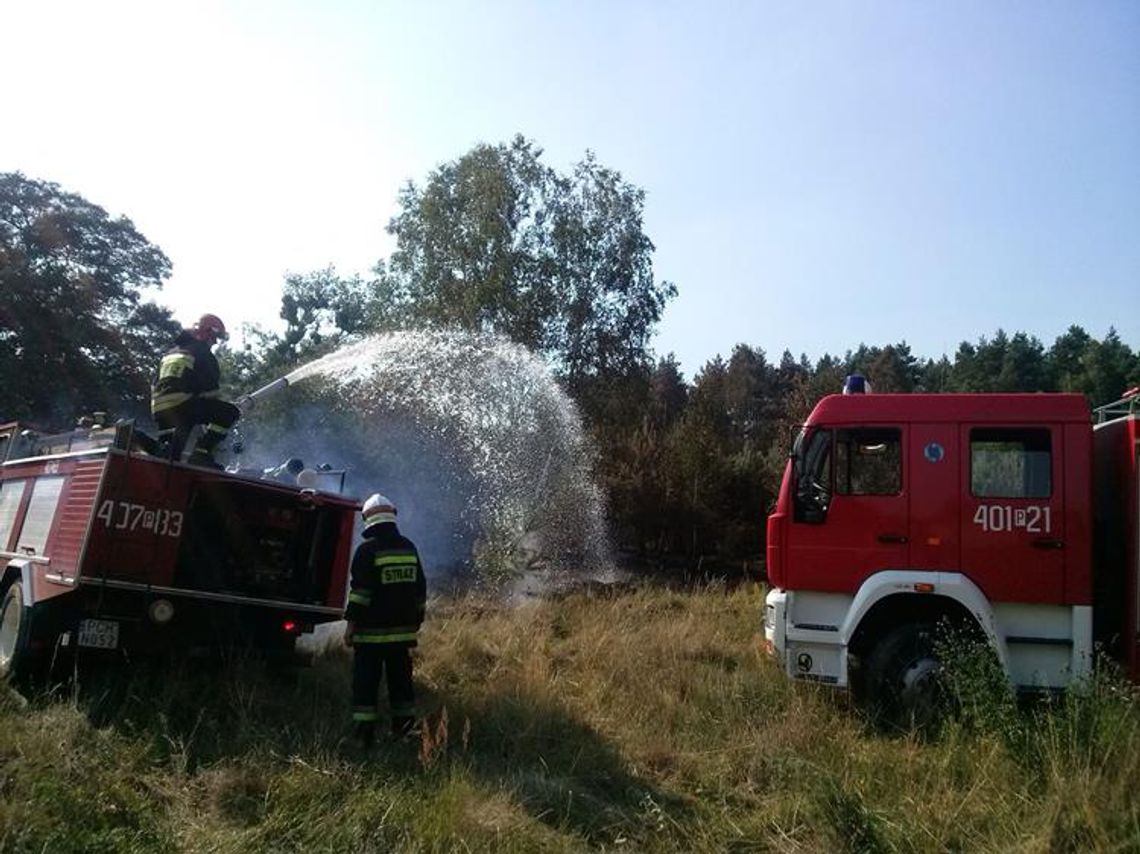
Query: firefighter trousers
(216, 415)
(394, 662)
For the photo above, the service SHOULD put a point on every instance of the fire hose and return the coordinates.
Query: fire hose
(247, 401)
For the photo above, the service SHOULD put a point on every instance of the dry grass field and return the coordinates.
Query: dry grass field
(646, 720)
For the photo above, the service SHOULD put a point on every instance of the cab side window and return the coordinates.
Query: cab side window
(1011, 462)
(813, 477)
(868, 461)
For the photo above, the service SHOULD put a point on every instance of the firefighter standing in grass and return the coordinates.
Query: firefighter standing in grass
(186, 391)
(385, 609)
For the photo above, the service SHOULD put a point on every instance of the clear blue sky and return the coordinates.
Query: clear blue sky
(817, 175)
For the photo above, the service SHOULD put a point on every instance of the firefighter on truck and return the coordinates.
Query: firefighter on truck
(186, 392)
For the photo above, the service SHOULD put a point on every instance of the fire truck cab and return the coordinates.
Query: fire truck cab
(897, 512)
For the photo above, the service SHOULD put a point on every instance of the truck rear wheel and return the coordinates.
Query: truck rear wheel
(15, 625)
(904, 686)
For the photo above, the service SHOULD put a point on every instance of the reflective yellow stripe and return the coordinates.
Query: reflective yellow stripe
(361, 598)
(215, 393)
(175, 365)
(393, 560)
(162, 402)
(217, 428)
(364, 716)
(386, 637)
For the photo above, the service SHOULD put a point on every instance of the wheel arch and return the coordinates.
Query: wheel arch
(890, 599)
(901, 608)
(18, 570)
(16, 642)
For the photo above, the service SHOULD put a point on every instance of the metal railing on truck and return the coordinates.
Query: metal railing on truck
(1128, 405)
(18, 442)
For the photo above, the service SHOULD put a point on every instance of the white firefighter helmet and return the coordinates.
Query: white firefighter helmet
(377, 509)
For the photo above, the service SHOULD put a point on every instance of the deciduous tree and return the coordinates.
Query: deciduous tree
(499, 241)
(75, 331)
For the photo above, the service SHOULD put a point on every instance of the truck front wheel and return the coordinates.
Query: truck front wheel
(904, 687)
(15, 625)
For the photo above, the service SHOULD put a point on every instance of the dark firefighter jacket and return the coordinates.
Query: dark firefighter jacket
(187, 370)
(388, 591)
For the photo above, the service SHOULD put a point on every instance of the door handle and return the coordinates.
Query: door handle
(892, 538)
(1048, 544)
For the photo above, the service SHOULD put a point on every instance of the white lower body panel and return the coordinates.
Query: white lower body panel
(1047, 646)
(1042, 646)
(802, 631)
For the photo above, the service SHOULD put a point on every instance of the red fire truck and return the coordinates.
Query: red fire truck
(103, 546)
(1010, 516)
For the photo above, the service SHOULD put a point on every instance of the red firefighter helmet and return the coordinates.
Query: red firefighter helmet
(377, 509)
(210, 325)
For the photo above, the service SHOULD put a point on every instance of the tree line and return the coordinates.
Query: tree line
(497, 241)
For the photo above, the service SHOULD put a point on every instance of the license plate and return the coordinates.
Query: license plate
(101, 634)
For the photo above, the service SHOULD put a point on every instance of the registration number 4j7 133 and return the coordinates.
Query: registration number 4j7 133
(1002, 517)
(125, 516)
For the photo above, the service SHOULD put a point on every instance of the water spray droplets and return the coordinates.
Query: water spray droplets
(513, 439)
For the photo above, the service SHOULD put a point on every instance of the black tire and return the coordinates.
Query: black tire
(904, 686)
(15, 634)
